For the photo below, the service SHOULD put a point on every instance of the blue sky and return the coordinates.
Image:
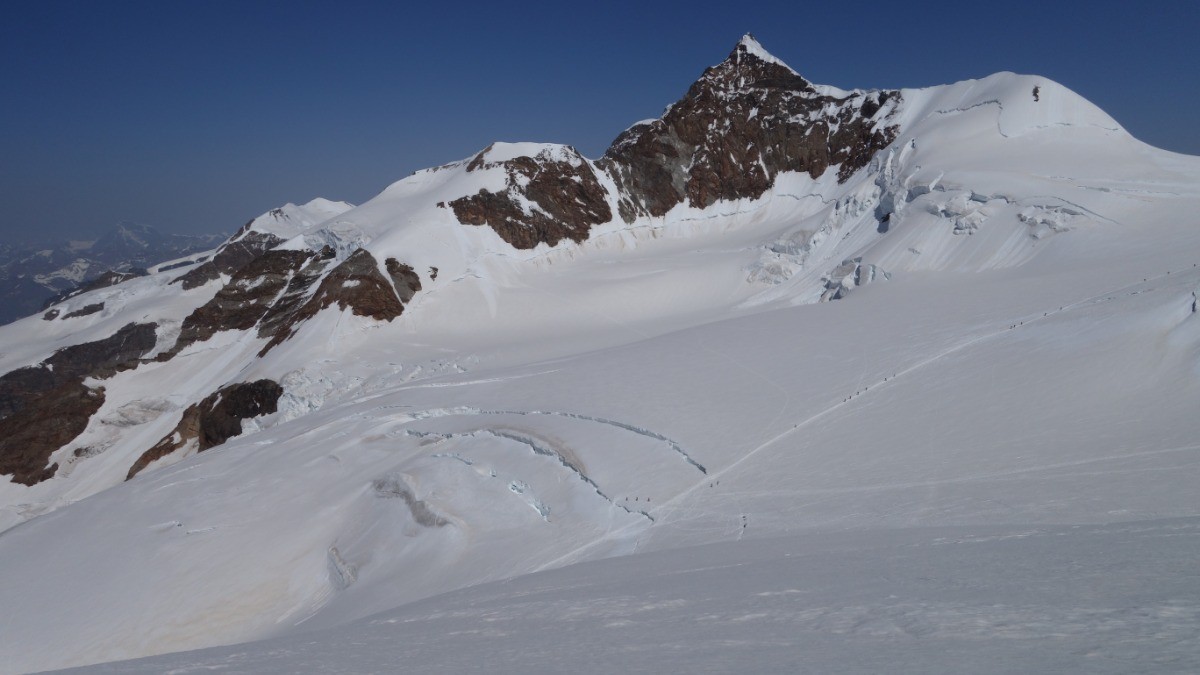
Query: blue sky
(197, 116)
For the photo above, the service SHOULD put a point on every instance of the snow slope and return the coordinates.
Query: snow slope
(982, 599)
(1014, 349)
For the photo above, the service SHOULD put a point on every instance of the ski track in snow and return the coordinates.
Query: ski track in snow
(468, 383)
(997, 476)
(670, 506)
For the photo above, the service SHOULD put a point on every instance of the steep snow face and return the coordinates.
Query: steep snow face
(529, 358)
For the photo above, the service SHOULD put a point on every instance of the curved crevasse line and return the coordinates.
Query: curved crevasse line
(627, 427)
(670, 505)
(534, 447)
(641, 431)
(992, 101)
(1000, 112)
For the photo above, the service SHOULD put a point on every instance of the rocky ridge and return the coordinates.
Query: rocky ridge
(739, 126)
(743, 123)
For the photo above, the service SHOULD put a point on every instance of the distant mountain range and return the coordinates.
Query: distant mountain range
(34, 272)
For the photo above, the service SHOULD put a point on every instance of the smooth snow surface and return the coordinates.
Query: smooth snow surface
(979, 600)
(983, 460)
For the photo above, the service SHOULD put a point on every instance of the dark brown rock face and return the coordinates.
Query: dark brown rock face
(279, 316)
(54, 418)
(405, 279)
(215, 420)
(104, 358)
(85, 310)
(242, 249)
(275, 293)
(44, 407)
(741, 124)
(566, 191)
(356, 283)
(265, 284)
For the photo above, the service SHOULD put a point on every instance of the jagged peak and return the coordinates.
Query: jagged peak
(749, 45)
(750, 65)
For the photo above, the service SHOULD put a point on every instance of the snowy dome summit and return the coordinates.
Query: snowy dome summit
(778, 326)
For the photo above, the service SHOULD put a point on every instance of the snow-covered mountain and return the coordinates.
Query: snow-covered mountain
(33, 274)
(529, 359)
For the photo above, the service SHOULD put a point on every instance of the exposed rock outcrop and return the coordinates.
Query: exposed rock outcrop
(85, 310)
(279, 316)
(405, 278)
(214, 420)
(242, 249)
(269, 284)
(550, 197)
(53, 419)
(356, 283)
(741, 124)
(44, 407)
(275, 293)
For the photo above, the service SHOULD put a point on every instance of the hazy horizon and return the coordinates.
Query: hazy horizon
(194, 118)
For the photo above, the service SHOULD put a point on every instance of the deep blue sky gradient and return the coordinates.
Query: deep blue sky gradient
(196, 116)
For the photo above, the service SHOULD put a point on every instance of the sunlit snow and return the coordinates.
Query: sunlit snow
(983, 460)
